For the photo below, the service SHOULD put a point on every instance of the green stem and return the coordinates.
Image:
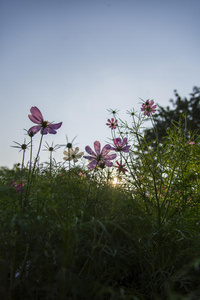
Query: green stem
(31, 153)
(69, 162)
(32, 173)
(97, 193)
(89, 187)
(50, 162)
(23, 157)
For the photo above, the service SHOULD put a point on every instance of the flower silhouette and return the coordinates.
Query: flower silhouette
(22, 147)
(101, 158)
(72, 154)
(120, 168)
(113, 111)
(112, 123)
(69, 144)
(51, 148)
(120, 146)
(148, 108)
(43, 126)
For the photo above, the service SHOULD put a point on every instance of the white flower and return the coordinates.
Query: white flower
(72, 154)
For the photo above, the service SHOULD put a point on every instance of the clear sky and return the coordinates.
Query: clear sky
(74, 59)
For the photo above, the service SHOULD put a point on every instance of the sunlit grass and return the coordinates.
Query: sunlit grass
(115, 181)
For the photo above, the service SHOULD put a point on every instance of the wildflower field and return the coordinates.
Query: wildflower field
(113, 221)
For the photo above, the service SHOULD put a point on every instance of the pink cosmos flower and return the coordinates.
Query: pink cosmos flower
(82, 175)
(148, 108)
(120, 146)
(43, 126)
(19, 188)
(112, 123)
(120, 168)
(190, 143)
(101, 157)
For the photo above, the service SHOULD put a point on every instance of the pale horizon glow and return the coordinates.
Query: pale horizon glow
(76, 59)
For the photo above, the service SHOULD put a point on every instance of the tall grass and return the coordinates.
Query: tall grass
(83, 237)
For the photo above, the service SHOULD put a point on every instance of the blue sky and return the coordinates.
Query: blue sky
(76, 59)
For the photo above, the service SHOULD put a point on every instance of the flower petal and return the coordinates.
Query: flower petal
(97, 147)
(36, 116)
(44, 131)
(106, 149)
(70, 151)
(65, 153)
(56, 126)
(89, 157)
(108, 163)
(124, 141)
(50, 129)
(89, 151)
(76, 150)
(126, 149)
(111, 156)
(80, 154)
(117, 142)
(67, 158)
(34, 129)
(92, 164)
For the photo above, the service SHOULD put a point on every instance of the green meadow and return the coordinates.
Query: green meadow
(121, 225)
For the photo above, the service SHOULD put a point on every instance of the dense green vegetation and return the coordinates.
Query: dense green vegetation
(163, 118)
(75, 234)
